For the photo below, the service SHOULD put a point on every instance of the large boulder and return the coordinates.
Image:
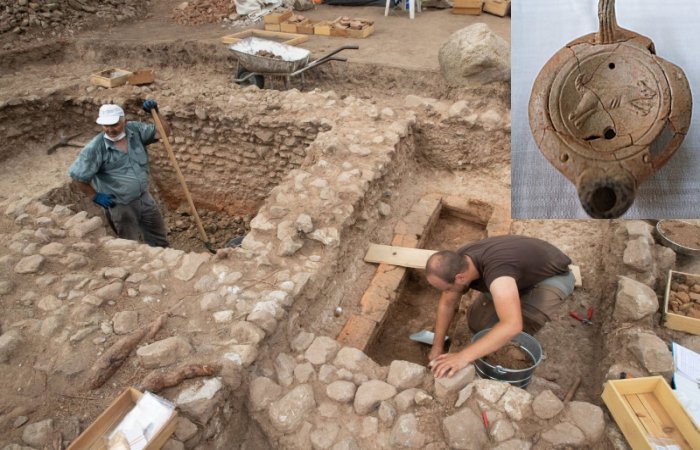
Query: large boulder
(652, 353)
(634, 300)
(475, 56)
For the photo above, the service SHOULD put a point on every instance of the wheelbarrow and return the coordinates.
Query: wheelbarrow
(258, 58)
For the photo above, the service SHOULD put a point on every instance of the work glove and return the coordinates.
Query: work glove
(148, 105)
(104, 200)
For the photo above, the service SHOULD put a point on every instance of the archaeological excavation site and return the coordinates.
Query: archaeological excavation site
(289, 308)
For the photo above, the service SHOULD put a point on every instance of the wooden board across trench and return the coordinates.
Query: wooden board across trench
(416, 258)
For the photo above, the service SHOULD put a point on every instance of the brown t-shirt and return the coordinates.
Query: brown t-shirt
(528, 260)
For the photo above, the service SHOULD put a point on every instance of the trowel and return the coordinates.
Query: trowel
(425, 337)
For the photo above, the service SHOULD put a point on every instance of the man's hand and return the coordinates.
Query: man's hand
(435, 351)
(104, 200)
(148, 105)
(448, 364)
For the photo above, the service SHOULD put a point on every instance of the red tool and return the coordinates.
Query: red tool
(587, 320)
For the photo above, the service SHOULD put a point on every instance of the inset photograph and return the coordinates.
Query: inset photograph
(603, 122)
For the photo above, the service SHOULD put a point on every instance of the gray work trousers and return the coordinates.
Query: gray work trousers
(537, 304)
(139, 218)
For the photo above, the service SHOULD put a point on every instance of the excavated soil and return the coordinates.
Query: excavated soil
(683, 233)
(510, 357)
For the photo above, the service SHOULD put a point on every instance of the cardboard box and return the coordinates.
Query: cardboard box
(277, 17)
(499, 8)
(464, 4)
(287, 27)
(646, 409)
(110, 78)
(678, 321)
(142, 76)
(323, 28)
(307, 27)
(91, 438)
(341, 32)
(467, 11)
(272, 27)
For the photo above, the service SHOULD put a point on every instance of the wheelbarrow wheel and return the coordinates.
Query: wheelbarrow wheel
(257, 80)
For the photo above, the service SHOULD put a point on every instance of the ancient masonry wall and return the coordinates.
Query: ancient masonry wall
(75, 292)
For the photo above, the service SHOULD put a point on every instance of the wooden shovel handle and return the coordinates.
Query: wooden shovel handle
(173, 161)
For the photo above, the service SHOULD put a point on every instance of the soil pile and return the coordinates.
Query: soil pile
(197, 12)
(683, 233)
(511, 357)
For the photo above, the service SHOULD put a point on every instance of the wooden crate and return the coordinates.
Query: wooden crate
(287, 27)
(91, 438)
(499, 8)
(361, 34)
(307, 27)
(277, 17)
(323, 28)
(142, 76)
(647, 407)
(465, 4)
(272, 27)
(285, 38)
(678, 321)
(340, 32)
(110, 78)
(467, 11)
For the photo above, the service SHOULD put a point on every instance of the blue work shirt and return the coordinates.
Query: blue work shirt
(112, 171)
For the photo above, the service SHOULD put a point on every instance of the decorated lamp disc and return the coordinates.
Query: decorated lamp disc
(607, 113)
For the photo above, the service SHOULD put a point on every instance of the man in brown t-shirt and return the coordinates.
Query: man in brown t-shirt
(523, 281)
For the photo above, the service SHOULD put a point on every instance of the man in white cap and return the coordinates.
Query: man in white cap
(112, 169)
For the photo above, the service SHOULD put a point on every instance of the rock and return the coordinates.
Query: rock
(82, 229)
(190, 264)
(564, 434)
(370, 394)
(490, 390)
(93, 300)
(639, 228)
(304, 372)
(125, 322)
(19, 421)
(150, 289)
(242, 355)
(652, 353)
(321, 350)
(387, 413)
(8, 344)
(6, 287)
(284, 366)
(404, 374)
(82, 334)
(110, 292)
(341, 391)
(52, 249)
(304, 223)
(446, 387)
(287, 413)
(38, 434)
(263, 319)
(588, 418)
(302, 341)
(172, 444)
(634, 300)
(514, 444)
(637, 255)
(243, 332)
(474, 56)
(49, 303)
(223, 316)
(324, 435)
(121, 273)
(547, 405)
(516, 403)
(211, 301)
(262, 392)
(164, 353)
(405, 399)
(502, 430)
(29, 264)
(422, 398)
(405, 433)
(355, 360)
(201, 402)
(464, 430)
(327, 236)
(185, 429)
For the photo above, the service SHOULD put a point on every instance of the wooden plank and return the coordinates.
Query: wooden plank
(660, 416)
(576, 270)
(414, 258)
(653, 428)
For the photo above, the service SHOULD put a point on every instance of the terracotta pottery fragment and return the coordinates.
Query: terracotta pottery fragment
(608, 113)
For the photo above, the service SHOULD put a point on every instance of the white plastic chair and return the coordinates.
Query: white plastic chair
(412, 6)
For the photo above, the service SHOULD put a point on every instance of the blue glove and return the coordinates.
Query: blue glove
(104, 200)
(148, 105)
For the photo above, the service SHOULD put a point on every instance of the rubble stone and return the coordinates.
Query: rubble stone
(242, 355)
(284, 366)
(502, 430)
(302, 341)
(588, 418)
(29, 264)
(125, 322)
(321, 350)
(405, 374)
(637, 255)
(38, 434)
(516, 403)
(652, 353)
(404, 400)
(563, 434)
(263, 391)
(287, 413)
(323, 436)
(341, 391)
(514, 444)
(370, 394)
(464, 430)
(304, 372)
(184, 429)
(110, 292)
(191, 262)
(405, 433)
(446, 387)
(355, 360)
(49, 303)
(201, 402)
(634, 300)
(490, 390)
(387, 413)
(9, 342)
(547, 405)
(164, 353)
(243, 332)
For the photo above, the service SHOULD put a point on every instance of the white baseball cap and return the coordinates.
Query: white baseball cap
(110, 114)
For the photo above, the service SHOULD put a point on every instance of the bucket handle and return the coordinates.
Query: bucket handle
(499, 370)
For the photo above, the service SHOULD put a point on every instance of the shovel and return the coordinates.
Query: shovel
(173, 161)
(425, 337)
